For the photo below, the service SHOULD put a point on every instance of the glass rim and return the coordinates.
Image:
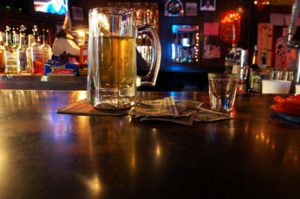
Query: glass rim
(112, 10)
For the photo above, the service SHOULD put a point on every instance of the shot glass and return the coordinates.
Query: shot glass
(222, 91)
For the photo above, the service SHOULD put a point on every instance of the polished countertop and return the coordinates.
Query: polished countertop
(48, 155)
(42, 82)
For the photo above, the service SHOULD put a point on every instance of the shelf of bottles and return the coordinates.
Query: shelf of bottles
(147, 13)
(185, 44)
(24, 54)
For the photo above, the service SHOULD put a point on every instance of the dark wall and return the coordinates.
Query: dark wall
(202, 17)
(171, 76)
(180, 76)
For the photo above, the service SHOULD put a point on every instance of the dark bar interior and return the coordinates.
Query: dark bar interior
(149, 99)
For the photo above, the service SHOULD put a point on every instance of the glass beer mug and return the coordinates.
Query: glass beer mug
(112, 70)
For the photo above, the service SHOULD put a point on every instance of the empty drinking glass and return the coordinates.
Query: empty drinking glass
(222, 91)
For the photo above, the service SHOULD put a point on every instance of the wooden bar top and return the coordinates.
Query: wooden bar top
(42, 82)
(48, 155)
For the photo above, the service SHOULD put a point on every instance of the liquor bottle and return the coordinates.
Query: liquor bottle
(10, 55)
(263, 61)
(46, 48)
(15, 37)
(243, 72)
(254, 73)
(252, 69)
(254, 65)
(30, 40)
(37, 65)
(2, 49)
(21, 52)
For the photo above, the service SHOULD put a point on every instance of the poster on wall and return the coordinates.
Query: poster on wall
(265, 41)
(277, 19)
(211, 29)
(190, 9)
(210, 51)
(207, 5)
(265, 36)
(284, 58)
(77, 14)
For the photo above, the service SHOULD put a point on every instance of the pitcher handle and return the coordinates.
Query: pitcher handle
(150, 78)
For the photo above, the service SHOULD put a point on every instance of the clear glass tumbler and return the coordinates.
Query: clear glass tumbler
(222, 91)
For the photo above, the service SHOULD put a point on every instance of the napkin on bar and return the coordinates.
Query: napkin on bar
(183, 112)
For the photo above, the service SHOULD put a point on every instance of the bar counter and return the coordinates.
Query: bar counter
(42, 82)
(48, 155)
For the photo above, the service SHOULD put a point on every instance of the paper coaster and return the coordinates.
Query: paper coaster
(82, 107)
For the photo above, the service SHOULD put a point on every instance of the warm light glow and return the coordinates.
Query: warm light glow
(81, 33)
(230, 17)
(261, 3)
(94, 185)
(240, 10)
(133, 162)
(296, 158)
(158, 151)
(3, 161)
(82, 95)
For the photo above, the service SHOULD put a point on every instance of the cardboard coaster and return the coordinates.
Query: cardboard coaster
(82, 107)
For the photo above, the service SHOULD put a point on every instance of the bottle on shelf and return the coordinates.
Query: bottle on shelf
(46, 48)
(21, 52)
(10, 54)
(30, 40)
(37, 65)
(254, 65)
(15, 37)
(243, 71)
(263, 61)
(2, 49)
(254, 81)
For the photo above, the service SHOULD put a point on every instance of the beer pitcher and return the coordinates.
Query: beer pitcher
(112, 70)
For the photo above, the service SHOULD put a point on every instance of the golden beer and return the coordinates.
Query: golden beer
(115, 70)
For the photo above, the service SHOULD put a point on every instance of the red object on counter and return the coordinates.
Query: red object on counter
(290, 105)
(63, 71)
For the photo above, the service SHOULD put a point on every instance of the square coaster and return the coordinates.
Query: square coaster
(82, 107)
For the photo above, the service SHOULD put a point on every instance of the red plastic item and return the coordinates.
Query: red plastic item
(290, 105)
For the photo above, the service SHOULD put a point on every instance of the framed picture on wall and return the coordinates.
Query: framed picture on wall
(174, 8)
(190, 9)
(77, 14)
(207, 5)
